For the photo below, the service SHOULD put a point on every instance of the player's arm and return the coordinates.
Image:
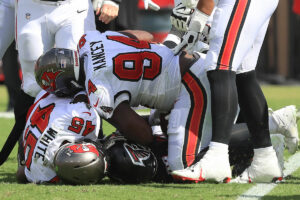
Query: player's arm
(206, 6)
(133, 126)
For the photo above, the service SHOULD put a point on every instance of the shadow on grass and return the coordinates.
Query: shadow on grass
(291, 180)
(285, 197)
(6, 177)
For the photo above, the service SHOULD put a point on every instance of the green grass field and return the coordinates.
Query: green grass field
(9, 189)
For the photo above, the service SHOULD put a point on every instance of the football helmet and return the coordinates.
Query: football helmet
(80, 164)
(57, 72)
(129, 162)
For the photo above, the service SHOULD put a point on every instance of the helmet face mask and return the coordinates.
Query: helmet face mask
(57, 72)
(80, 164)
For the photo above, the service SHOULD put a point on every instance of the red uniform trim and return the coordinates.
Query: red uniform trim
(195, 118)
(232, 34)
(54, 180)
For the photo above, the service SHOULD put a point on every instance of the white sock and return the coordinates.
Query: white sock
(218, 146)
(264, 150)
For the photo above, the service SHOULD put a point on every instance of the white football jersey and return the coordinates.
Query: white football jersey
(52, 121)
(119, 68)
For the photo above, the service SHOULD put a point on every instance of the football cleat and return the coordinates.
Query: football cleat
(278, 145)
(264, 168)
(213, 166)
(287, 126)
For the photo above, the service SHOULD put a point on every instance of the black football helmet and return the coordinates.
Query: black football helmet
(80, 163)
(57, 72)
(129, 162)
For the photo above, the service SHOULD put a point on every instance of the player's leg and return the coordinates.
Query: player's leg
(233, 32)
(33, 39)
(189, 131)
(11, 73)
(80, 19)
(254, 108)
(7, 26)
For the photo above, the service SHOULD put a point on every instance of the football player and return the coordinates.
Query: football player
(237, 33)
(51, 123)
(180, 18)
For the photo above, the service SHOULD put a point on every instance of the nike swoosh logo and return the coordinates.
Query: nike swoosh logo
(80, 11)
(95, 105)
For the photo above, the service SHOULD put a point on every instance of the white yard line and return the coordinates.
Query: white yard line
(8, 115)
(260, 190)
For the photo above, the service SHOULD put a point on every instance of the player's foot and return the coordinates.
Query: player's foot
(278, 145)
(285, 119)
(264, 168)
(213, 166)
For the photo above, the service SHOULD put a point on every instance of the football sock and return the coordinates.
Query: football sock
(254, 108)
(223, 104)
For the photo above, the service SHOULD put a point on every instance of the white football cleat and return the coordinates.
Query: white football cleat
(264, 168)
(213, 166)
(286, 120)
(278, 145)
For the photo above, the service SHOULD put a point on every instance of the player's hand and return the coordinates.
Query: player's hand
(108, 11)
(150, 4)
(196, 26)
(181, 16)
(204, 35)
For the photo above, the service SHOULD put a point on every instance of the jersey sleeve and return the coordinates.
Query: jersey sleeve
(101, 98)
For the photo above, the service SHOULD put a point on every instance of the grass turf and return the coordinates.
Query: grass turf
(9, 189)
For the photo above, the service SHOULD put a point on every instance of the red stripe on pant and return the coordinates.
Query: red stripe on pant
(195, 117)
(231, 38)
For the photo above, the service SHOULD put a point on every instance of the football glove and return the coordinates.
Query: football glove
(181, 16)
(196, 26)
(204, 35)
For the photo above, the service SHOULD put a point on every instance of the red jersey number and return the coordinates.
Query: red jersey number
(131, 66)
(40, 117)
(30, 142)
(78, 124)
(138, 44)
